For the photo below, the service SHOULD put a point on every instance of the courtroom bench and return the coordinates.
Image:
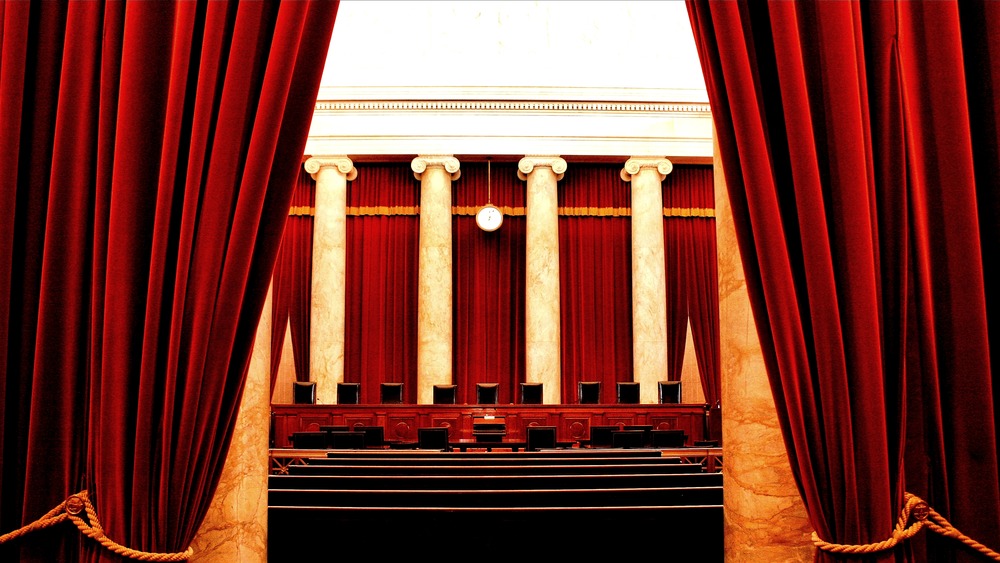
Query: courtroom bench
(464, 482)
(508, 468)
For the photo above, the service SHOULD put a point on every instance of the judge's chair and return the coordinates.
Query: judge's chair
(588, 392)
(304, 392)
(669, 392)
(487, 393)
(391, 393)
(445, 394)
(348, 393)
(627, 392)
(531, 393)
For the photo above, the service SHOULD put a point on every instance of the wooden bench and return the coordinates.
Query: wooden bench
(491, 469)
(507, 497)
(494, 482)
(684, 533)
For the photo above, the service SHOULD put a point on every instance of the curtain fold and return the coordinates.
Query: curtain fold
(489, 283)
(692, 273)
(595, 271)
(149, 154)
(291, 298)
(859, 146)
(383, 233)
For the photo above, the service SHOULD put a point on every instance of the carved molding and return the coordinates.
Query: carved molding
(527, 164)
(663, 166)
(343, 165)
(510, 105)
(448, 162)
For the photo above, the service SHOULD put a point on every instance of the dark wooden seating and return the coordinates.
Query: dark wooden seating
(509, 468)
(417, 494)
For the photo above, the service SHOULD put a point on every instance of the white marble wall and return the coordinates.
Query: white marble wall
(235, 527)
(765, 520)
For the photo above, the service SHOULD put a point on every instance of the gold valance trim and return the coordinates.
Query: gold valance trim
(384, 210)
(302, 211)
(707, 212)
(471, 210)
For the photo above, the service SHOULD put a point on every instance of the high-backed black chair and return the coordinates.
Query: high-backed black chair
(668, 438)
(304, 392)
(626, 439)
(647, 432)
(374, 436)
(391, 393)
(351, 440)
(600, 436)
(348, 393)
(310, 440)
(540, 437)
(445, 394)
(435, 438)
(487, 393)
(531, 393)
(588, 392)
(335, 428)
(627, 392)
(669, 392)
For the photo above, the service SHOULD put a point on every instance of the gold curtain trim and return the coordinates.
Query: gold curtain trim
(471, 210)
(689, 212)
(384, 210)
(302, 211)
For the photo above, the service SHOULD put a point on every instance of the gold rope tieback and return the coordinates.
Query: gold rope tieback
(923, 516)
(70, 509)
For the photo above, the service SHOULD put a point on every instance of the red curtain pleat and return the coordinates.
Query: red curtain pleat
(291, 293)
(692, 273)
(489, 278)
(149, 154)
(859, 142)
(383, 232)
(595, 271)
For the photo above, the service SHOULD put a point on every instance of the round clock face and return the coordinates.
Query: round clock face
(489, 218)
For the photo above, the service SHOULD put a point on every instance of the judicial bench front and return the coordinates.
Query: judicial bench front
(401, 421)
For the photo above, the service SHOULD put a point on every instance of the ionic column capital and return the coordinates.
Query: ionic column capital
(446, 161)
(530, 162)
(633, 165)
(341, 163)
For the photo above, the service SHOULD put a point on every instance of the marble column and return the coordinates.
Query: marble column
(434, 295)
(649, 286)
(765, 519)
(235, 526)
(542, 321)
(329, 266)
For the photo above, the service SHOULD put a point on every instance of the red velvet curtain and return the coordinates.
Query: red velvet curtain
(148, 153)
(488, 273)
(291, 292)
(692, 273)
(859, 142)
(595, 270)
(383, 232)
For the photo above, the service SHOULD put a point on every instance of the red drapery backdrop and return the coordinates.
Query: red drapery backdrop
(148, 155)
(595, 271)
(383, 230)
(488, 272)
(859, 142)
(291, 292)
(692, 273)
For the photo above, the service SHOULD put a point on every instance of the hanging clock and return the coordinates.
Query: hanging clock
(489, 218)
